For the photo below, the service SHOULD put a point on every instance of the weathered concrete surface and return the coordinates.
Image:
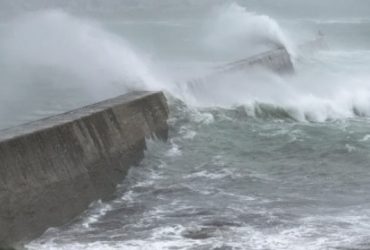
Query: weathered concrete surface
(52, 169)
(277, 60)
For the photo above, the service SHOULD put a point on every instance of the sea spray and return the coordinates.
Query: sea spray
(55, 50)
(231, 28)
(54, 41)
(325, 92)
(52, 61)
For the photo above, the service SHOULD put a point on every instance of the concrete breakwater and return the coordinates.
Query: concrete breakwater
(52, 169)
(277, 60)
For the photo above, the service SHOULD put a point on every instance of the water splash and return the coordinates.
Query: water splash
(53, 41)
(232, 27)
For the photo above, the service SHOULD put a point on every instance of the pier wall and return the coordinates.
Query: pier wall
(277, 60)
(52, 169)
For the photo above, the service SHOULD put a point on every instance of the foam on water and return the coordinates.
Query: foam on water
(174, 150)
(327, 91)
(181, 203)
(308, 236)
(97, 210)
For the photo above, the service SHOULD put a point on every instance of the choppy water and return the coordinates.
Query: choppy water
(255, 160)
(228, 181)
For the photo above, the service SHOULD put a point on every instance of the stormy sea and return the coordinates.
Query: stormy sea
(255, 159)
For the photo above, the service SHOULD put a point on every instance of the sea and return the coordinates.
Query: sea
(255, 160)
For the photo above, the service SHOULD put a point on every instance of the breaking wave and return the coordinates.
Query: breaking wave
(54, 42)
(322, 89)
(232, 27)
(58, 48)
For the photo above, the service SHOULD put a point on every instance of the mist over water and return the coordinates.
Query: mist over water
(255, 160)
(50, 53)
(52, 50)
(231, 28)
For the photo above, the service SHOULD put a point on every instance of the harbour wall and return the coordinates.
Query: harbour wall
(52, 169)
(278, 60)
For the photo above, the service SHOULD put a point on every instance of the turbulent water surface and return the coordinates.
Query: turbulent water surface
(255, 160)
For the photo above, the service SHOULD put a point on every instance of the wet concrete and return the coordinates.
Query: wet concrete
(52, 169)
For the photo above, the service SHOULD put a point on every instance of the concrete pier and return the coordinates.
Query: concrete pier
(277, 60)
(52, 169)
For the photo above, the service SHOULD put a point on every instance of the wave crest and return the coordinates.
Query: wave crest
(232, 27)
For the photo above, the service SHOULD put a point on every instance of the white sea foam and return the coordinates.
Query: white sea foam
(366, 138)
(327, 91)
(210, 175)
(174, 151)
(187, 133)
(202, 117)
(309, 236)
(350, 148)
(97, 210)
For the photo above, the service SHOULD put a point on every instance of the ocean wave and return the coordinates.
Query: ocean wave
(232, 27)
(69, 51)
(102, 63)
(327, 112)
